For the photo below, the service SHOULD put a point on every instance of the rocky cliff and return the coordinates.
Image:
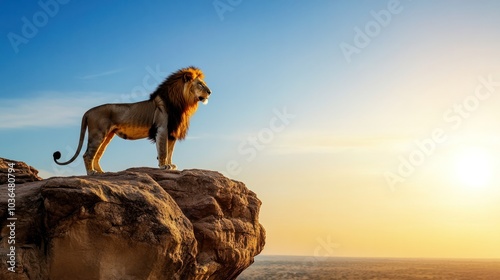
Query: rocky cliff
(142, 223)
(23, 172)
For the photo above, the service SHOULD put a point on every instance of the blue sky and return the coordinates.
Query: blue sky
(320, 175)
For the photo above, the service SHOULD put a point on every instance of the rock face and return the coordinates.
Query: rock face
(142, 223)
(23, 172)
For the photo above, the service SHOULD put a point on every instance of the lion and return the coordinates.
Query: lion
(164, 119)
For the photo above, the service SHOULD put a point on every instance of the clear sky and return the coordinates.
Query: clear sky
(367, 128)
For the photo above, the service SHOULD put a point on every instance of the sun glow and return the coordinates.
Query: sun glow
(473, 168)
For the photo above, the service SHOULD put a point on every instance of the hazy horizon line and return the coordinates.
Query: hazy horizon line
(386, 258)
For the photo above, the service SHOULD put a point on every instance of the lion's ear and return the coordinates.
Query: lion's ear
(188, 76)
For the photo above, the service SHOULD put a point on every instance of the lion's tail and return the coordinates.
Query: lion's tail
(83, 128)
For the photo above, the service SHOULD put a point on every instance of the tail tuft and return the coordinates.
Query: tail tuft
(56, 155)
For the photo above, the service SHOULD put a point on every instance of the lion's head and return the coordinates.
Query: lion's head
(184, 88)
(195, 88)
(181, 92)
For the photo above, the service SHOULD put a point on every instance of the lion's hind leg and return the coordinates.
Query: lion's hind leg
(96, 139)
(100, 152)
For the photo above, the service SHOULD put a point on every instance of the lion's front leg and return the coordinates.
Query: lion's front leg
(170, 153)
(163, 146)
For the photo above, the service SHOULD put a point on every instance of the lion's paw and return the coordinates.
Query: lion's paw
(169, 167)
(94, 172)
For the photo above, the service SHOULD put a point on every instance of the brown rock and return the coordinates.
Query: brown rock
(23, 172)
(142, 223)
(224, 214)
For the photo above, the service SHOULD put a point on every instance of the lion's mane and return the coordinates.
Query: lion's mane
(179, 109)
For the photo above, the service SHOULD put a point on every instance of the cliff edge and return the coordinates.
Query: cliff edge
(142, 223)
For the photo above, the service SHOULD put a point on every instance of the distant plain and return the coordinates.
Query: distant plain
(288, 267)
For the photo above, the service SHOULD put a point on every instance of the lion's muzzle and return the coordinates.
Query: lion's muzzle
(203, 99)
